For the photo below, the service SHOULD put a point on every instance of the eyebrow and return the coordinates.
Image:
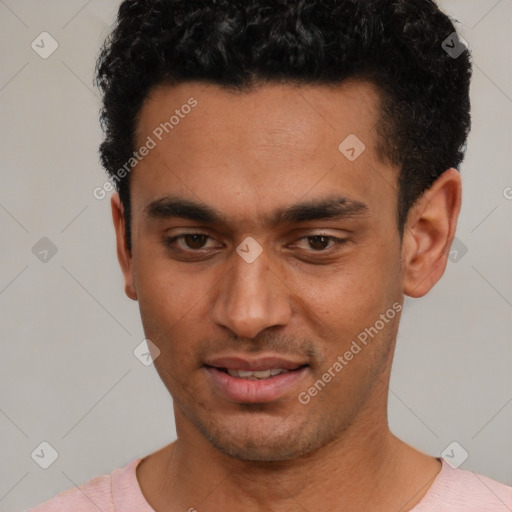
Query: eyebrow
(329, 208)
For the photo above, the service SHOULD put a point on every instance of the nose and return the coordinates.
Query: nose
(252, 298)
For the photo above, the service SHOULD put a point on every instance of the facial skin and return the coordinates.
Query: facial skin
(304, 299)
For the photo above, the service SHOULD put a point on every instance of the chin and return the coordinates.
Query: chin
(257, 450)
(271, 439)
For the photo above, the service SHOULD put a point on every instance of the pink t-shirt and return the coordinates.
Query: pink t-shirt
(453, 490)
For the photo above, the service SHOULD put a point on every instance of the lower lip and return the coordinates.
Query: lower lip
(254, 391)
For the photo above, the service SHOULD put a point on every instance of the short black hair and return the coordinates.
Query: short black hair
(395, 44)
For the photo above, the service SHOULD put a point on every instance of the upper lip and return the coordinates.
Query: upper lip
(254, 364)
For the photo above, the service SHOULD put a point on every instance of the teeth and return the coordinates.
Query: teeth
(261, 374)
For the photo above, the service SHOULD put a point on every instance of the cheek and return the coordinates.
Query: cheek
(162, 286)
(366, 278)
(339, 307)
(169, 305)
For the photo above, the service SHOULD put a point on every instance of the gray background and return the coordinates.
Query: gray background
(68, 373)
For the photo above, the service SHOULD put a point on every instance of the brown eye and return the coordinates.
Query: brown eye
(319, 242)
(195, 241)
(190, 243)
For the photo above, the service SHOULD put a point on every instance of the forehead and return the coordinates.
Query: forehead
(271, 113)
(256, 146)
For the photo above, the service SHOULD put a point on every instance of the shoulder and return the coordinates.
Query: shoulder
(97, 494)
(461, 490)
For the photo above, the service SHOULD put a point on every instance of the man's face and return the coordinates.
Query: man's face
(326, 272)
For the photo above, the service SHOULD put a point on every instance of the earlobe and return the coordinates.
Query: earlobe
(123, 254)
(429, 233)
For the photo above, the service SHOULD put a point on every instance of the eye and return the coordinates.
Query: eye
(320, 242)
(191, 241)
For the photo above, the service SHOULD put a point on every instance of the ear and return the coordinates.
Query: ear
(429, 233)
(123, 254)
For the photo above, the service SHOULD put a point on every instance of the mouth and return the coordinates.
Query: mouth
(255, 374)
(254, 381)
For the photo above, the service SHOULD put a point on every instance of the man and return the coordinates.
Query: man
(286, 173)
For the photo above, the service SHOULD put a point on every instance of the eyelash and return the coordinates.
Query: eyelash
(169, 242)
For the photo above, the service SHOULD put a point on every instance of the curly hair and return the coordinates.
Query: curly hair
(237, 44)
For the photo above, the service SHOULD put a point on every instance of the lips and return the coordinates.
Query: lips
(260, 380)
